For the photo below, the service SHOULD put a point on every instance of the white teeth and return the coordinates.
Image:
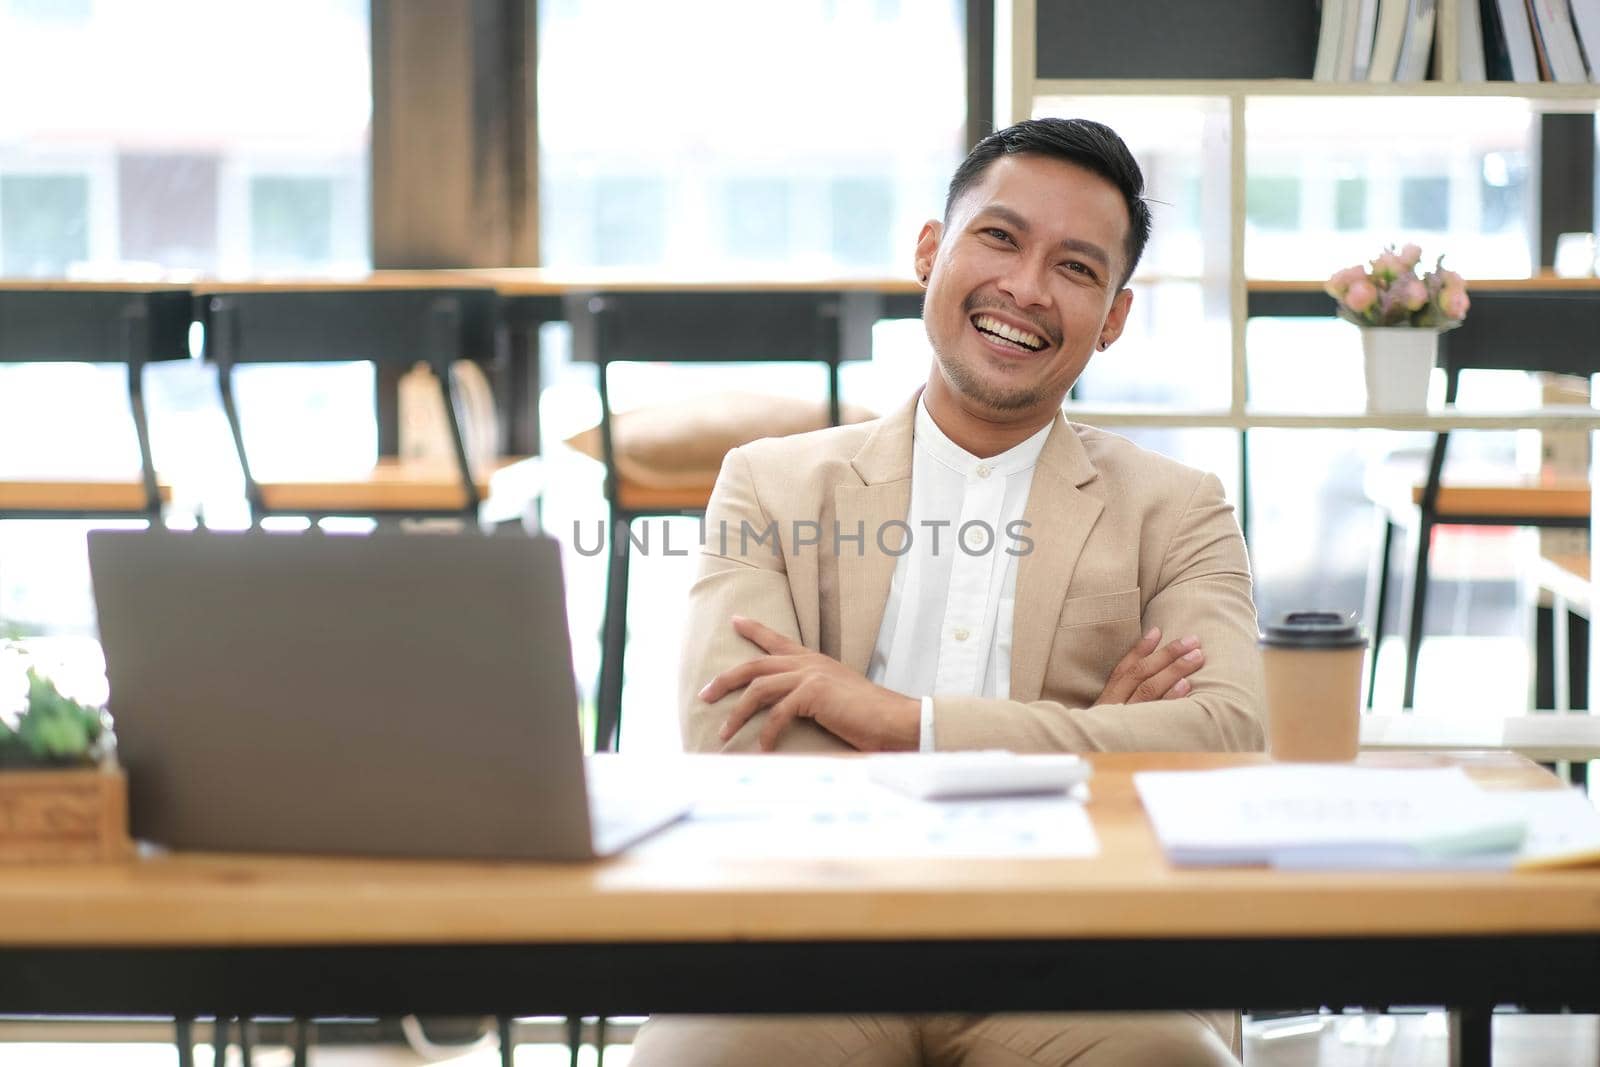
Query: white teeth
(992, 325)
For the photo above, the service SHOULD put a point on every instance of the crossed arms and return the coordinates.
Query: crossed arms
(750, 682)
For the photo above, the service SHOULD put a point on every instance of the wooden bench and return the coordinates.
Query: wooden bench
(51, 497)
(400, 487)
(1567, 499)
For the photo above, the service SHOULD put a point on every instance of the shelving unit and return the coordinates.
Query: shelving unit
(1018, 89)
(1205, 48)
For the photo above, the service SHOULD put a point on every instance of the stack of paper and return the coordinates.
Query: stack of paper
(807, 807)
(1347, 817)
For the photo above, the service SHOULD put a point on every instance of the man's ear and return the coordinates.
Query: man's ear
(1116, 318)
(927, 249)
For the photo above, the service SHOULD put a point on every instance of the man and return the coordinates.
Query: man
(976, 572)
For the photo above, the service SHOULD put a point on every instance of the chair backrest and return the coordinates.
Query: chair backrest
(71, 322)
(320, 325)
(1555, 332)
(822, 324)
(82, 324)
(391, 327)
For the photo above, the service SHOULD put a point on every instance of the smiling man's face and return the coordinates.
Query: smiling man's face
(1023, 286)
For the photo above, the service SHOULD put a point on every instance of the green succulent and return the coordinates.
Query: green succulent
(52, 730)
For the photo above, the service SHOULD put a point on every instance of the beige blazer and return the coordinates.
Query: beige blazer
(1123, 539)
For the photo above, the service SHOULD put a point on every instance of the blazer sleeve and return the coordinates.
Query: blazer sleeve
(739, 575)
(1204, 589)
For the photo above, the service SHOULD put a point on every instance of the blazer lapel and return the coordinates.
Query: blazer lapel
(884, 465)
(1059, 516)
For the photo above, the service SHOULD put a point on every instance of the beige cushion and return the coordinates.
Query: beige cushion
(680, 446)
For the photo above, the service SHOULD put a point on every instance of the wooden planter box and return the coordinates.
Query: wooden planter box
(63, 815)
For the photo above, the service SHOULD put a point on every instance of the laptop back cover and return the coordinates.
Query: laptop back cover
(393, 694)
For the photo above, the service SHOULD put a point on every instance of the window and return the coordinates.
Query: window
(1273, 203)
(820, 143)
(168, 123)
(861, 210)
(167, 209)
(1350, 203)
(1444, 172)
(291, 223)
(758, 219)
(48, 11)
(1425, 203)
(1503, 191)
(44, 223)
(629, 222)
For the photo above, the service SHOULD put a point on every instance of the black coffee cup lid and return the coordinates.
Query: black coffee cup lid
(1314, 629)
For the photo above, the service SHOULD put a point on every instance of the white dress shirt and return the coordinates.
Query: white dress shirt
(947, 624)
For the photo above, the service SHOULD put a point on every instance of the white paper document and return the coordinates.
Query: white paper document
(1327, 817)
(807, 807)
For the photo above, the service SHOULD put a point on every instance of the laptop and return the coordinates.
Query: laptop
(400, 694)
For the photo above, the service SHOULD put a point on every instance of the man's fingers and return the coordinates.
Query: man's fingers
(1168, 654)
(770, 641)
(1141, 648)
(758, 694)
(1150, 673)
(782, 714)
(1179, 689)
(742, 675)
(1125, 675)
(1160, 683)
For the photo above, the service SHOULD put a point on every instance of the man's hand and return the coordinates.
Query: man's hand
(1149, 673)
(797, 683)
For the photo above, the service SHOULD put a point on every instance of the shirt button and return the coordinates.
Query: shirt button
(983, 470)
(960, 633)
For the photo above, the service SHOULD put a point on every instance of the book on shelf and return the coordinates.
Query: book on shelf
(1330, 35)
(1388, 39)
(1517, 32)
(1361, 31)
(1586, 21)
(1557, 41)
(1417, 46)
(1496, 56)
(1469, 56)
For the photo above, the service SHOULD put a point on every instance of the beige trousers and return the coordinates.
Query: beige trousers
(1159, 1039)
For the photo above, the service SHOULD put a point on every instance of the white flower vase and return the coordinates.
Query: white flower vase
(1399, 362)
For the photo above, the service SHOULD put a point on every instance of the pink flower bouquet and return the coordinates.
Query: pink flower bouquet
(1388, 292)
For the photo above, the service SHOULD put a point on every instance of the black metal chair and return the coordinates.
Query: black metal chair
(69, 322)
(695, 326)
(391, 327)
(1529, 332)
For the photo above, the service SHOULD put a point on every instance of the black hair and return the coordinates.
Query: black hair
(1091, 145)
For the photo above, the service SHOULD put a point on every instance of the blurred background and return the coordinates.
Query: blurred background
(181, 139)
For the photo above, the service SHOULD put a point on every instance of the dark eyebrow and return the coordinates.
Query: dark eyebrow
(1087, 249)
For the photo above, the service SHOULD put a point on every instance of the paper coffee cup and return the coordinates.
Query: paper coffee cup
(1312, 661)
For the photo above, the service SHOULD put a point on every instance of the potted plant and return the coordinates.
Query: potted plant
(62, 797)
(1401, 316)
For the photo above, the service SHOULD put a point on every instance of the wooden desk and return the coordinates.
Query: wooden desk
(199, 934)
